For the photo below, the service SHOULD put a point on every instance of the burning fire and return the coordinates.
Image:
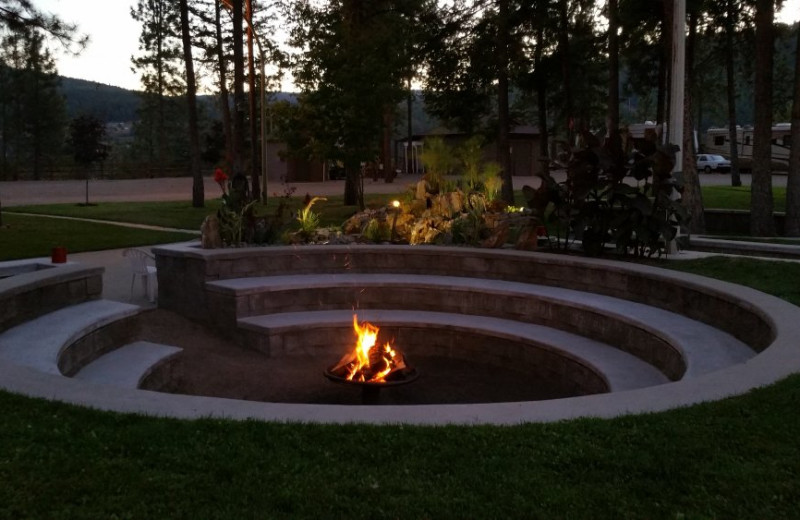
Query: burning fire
(368, 362)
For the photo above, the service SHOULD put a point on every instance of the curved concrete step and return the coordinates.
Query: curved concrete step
(704, 348)
(622, 371)
(126, 366)
(38, 343)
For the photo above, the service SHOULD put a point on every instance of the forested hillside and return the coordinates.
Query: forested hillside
(105, 102)
(114, 104)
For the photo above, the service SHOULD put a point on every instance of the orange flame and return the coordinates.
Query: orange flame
(369, 362)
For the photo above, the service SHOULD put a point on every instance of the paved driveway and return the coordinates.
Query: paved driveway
(21, 193)
(177, 188)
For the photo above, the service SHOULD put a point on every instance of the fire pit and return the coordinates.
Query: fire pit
(370, 365)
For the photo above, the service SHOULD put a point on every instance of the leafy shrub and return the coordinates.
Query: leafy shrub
(595, 206)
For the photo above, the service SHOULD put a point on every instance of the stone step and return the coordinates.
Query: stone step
(623, 371)
(38, 343)
(703, 348)
(128, 365)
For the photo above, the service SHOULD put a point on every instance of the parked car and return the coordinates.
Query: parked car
(336, 172)
(713, 163)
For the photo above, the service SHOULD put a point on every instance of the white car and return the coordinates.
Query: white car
(713, 163)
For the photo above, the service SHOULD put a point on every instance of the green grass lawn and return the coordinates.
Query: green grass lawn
(29, 237)
(181, 215)
(730, 197)
(332, 212)
(738, 458)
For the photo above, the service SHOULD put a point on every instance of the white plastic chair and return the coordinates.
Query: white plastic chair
(140, 266)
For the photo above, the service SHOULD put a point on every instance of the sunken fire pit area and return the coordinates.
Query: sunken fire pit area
(479, 327)
(394, 334)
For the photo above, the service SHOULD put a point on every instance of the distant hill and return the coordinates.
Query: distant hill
(105, 102)
(118, 105)
(115, 104)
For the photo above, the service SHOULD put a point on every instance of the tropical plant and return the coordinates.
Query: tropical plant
(309, 220)
(471, 153)
(439, 160)
(491, 181)
(377, 230)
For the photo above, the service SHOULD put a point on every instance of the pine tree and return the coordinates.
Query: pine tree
(355, 65)
(32, 109)
(160, 132)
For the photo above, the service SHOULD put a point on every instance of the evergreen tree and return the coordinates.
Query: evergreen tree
(353, 67)
(31, 107)
(21, 16)
(160, 132)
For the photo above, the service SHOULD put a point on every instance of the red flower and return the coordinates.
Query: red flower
(220, 176)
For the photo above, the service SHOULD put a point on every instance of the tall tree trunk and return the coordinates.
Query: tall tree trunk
(238, 89)
(251, 72)
(410, 129)
(564, 51)
(612, 118)
(503, 122)
(762, 222)
(736, 180)
(692, 195)
(354, 180)
(224, 96)
(793, 182)
(37, 173)
(198, 190)
(386, 144)
(161, 129)
(664, 63)
(541, 97)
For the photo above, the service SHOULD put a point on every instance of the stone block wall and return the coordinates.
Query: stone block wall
(183, 271)
(31, 294)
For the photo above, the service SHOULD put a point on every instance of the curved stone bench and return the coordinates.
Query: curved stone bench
(550, 354)
(52, 321)
(128, 365)
(41, 342)
(31, 288)
(676, 345)
(184, 271)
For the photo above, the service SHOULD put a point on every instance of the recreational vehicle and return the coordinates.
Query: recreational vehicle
(717, 140)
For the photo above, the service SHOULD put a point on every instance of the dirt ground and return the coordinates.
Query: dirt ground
(212, 365)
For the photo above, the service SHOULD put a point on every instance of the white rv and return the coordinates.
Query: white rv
(717, 140)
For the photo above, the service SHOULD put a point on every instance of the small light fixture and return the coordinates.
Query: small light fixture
(395, 204)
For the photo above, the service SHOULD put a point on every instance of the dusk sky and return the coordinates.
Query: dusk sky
(115, 37)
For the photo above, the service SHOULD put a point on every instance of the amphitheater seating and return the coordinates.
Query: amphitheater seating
(678, 346)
